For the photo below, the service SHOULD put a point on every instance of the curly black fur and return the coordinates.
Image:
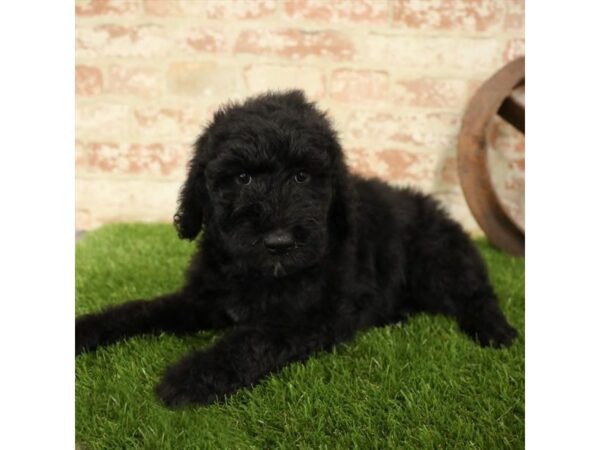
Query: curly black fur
(297, 255)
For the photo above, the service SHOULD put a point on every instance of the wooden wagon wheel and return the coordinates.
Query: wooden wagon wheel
(492, 98)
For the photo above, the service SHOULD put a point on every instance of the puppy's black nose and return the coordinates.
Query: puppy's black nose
(279, 241)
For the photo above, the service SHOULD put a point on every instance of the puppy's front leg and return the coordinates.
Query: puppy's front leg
(172, 313)
(240, 360)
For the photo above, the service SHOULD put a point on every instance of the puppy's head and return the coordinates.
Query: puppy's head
(269, 185)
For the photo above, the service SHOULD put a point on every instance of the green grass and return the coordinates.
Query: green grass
(423, 385)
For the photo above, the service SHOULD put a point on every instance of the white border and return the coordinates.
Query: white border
(563, 225)
(37, 238)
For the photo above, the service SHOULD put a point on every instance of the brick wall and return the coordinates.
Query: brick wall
(395, 76)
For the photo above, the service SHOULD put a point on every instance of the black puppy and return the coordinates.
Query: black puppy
(297, 255)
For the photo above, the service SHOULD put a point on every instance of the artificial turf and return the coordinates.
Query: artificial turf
(420, 385)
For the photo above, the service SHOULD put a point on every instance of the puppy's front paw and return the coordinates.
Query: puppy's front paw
(87, 334)
(196, 380)
(174, 394)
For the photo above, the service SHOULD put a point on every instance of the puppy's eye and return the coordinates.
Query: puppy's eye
(301, 177)
(243, 179)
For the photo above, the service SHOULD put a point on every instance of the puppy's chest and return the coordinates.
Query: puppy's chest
(253, 305)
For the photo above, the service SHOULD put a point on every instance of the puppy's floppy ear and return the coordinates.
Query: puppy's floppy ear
(341, 213)
(192, 197)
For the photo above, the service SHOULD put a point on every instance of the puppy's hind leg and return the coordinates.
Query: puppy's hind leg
(449, 277)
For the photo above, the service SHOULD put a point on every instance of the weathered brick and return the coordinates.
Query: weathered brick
(203, 79)
(426, 54)
(406, 167)
(505, 150)
(515, 207)
(90, 8)
(296, 44)
(261, 78)
(167, 46)
(337, 11)
(514, 20)
(514, 49)
(507, 142)
(202, 40)
(518, 165)
(88, 80)
(506, 139)
(122, 200)
(518, 94)
(137, 159)
(394, 165)
(464, 15)
(146, 40)
(162, 8)
(240, 9)
(511, 194)
(431, 93)
(217, 9)
(434, 132)
(449, 172)
(108, 39)
(359, 85)
(80, 156)
(183, 123)
(365, 162)
(83, 219)
(101, 119)
(146, 82)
